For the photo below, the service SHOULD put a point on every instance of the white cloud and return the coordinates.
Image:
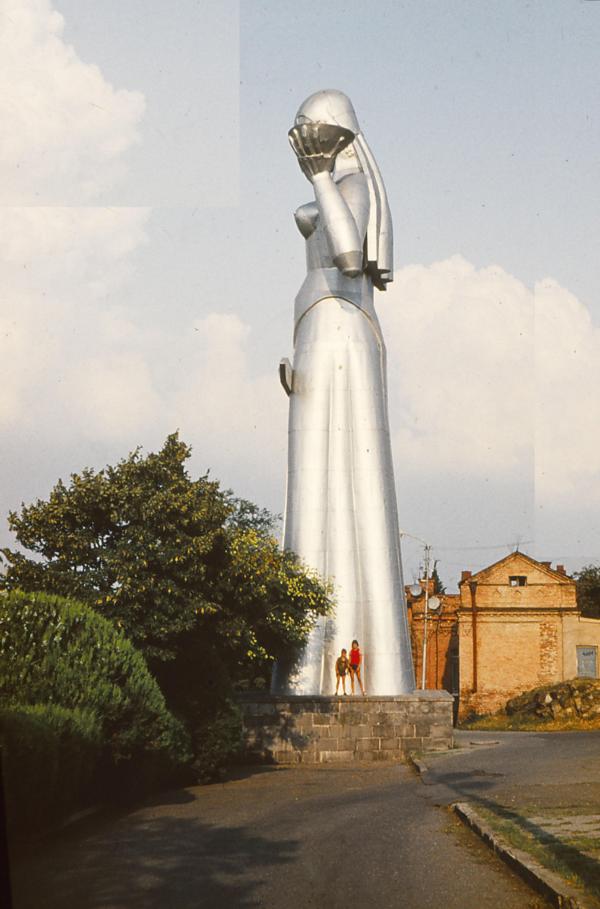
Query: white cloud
(81, 365)
(567, 399)
(489, 377)
(65, 128)
(460, 360)
(60, 270)
(113, 396)
(234, 414)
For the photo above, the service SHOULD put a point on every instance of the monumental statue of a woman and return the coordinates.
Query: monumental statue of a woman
(341, 515)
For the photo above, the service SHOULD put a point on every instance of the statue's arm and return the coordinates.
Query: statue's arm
(344, 211)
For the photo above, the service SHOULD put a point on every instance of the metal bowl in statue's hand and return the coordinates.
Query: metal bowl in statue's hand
(309, 139)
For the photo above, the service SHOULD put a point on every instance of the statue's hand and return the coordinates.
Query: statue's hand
(317, 145)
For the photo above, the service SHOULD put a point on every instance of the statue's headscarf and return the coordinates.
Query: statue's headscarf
(334, 107)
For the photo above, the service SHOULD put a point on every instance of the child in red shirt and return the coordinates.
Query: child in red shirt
(355, 664)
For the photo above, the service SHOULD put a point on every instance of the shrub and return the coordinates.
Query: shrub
(198, 688)
(58, 651)
(49, 756)
(216, 741)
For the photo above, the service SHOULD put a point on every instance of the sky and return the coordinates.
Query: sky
(149, 258)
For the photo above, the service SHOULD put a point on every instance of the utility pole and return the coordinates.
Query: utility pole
(426, 615)
(427, 547)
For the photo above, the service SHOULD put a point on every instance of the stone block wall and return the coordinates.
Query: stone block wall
(312, 730)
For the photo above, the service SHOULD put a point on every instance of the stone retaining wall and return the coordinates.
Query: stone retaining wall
(322, 729)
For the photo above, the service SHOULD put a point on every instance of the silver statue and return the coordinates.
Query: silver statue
(341, 515)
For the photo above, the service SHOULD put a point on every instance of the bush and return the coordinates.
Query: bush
(49, 757)
(216, 741)
(198, 688)
(58, 651)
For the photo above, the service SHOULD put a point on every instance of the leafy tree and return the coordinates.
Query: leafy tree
(192, 576)
(268, 600)
(133, 541)
(588, 591)
(186, 570)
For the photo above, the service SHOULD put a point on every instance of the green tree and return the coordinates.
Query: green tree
(179, 564)
(588, 590)
(132, 541)
(192, 575)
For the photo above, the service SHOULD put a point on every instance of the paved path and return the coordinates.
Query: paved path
(547, 785)
(549, 769)
(325, 837)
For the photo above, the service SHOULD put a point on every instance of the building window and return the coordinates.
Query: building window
(587, 662)
(517, 580)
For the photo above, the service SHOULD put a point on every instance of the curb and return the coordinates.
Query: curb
(546, 882)
(416, 757)
(419, 765)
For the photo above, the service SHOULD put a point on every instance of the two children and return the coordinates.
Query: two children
(345, 664)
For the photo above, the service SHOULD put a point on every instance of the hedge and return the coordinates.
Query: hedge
(59, 652)
(50, 756)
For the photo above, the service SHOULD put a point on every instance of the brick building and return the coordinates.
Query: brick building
(519, 627)
(442, 639)
(513, 626)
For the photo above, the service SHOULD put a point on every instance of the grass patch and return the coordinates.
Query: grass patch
(564, 855)
(501, 722)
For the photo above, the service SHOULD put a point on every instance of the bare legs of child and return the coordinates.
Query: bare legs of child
(341, 677)
(355, 671)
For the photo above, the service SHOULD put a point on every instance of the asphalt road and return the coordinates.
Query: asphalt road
(321, 837)
(546, 769)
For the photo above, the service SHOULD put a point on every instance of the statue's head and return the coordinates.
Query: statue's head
(330, 117)
(330, 107)
(338, 133)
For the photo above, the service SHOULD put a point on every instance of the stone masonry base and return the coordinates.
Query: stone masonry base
(312, 730)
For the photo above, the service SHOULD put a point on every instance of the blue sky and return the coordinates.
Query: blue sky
(124, 323)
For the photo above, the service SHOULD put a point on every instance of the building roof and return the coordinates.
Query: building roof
(516, 558)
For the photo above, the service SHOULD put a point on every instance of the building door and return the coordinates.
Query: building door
(587, 662)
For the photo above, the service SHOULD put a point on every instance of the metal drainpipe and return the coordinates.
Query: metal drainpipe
(473, 590)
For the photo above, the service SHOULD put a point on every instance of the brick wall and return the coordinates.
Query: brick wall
(550, 652)
(442, 640)
(326, 729)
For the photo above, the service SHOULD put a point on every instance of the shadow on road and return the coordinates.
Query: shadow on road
(151, 863)
(461, 784)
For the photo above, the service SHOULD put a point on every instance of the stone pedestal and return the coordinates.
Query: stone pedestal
(311, 730)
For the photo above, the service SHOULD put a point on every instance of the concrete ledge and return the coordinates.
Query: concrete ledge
(316, 729)
(546, 882)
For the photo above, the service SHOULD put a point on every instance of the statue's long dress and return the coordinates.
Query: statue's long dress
(341, 513)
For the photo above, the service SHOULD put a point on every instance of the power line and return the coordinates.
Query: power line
(474, 548)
